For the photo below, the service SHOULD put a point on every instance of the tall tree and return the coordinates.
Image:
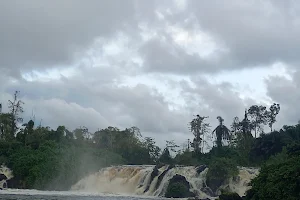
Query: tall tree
(153, 150)
(198, 127)
(15, 107)
(222, 132)
(258, 116)
(244, 137)
(235, 128)
(272, 113)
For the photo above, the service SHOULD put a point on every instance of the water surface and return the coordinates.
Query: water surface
(11, 194)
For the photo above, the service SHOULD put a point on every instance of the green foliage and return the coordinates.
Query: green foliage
(278, 178)
(186, 158)
(219, 170)
(270, 144)
(198, 127)
(165, 157)
(153, 150)
(177, 190)
(222, 132)
(258, 116)
(57, 167)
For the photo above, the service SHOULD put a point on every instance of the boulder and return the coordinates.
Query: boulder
(200, 168)
(2, 177)
(154, 173)
(179, 187)
(208, 191)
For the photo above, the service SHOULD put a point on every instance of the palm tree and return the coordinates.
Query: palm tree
(222, 132)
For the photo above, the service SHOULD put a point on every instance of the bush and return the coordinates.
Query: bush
(278, 178)
(178, 187)
(177, 190)
(219, 170)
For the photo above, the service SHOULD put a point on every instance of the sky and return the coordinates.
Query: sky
(150, 64)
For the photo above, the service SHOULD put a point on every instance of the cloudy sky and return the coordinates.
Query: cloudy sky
(150, 64)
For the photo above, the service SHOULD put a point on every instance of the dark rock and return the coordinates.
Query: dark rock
(160, 177)
(179, 178)
(14, 183)
(214, 183)
(201, 168)
(208, 191)
(2, 177)
(179, 187)
(154, 173)
(236, 178)
(230, 196)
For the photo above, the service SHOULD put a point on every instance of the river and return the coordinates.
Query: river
(13, 194)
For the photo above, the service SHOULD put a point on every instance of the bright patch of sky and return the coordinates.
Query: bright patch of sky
(251, 82)
(50, 74)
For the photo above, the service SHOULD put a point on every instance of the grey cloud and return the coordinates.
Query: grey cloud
(214, 100)
(36, 34)
(286, 92)
(168, 57)
(78, 101)
(254, 34)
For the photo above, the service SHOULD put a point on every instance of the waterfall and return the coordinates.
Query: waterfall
(150, 180)
(5, 174)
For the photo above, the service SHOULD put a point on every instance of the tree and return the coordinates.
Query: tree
(272, 113)
(15, 107)
(235, 129)
(198, 127)
(244, 138)
(23, 133)
(5, 125)
(258, 116)
(222, 132)
(165, 157)
(278, 177)
(153, 150)
(81, 133)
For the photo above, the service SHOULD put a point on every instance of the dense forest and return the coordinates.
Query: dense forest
(44, 158)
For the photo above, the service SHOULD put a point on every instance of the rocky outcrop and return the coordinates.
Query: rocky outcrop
(200, 168)
(2, 177)
(154, 173)
(179, 187)
(160, 177)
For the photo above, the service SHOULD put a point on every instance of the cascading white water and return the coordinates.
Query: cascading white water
(141, 180)
(240, 184)
(7, 173)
